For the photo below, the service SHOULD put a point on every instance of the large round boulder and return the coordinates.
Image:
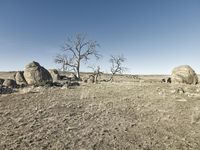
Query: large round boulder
(19, 78)
(184, 74)
(10, 83)
(54, 74)
(35, 74)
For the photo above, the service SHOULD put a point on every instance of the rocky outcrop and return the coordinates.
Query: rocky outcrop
(35, 74)
(54, 74)
(184, 74)
(19, 78)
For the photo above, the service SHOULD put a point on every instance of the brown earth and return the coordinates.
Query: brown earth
(128, 114)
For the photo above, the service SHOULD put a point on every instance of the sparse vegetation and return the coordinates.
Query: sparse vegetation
(127, 114)
(96, 73)
(58, 101)
(116, 65)
(76, 50)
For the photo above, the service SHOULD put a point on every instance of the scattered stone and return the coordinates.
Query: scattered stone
(10, 83)
(184, 74)
(58, 84)
(70, 84)
(178, 90)
(5, 90)
(163, 80)
(169, 80)
(63, 77)
(35, 74)
(54, 74)
(74, 84)
(19, 78)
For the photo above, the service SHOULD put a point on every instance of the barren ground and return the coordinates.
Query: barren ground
(125, 115)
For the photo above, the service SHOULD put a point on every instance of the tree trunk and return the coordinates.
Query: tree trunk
(78, 71)
(78, 74)
(96, 78)
(111, 78)
(63, 67)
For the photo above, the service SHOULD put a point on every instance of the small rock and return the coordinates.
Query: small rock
(163, 80)
(10, 83)
(169, 80)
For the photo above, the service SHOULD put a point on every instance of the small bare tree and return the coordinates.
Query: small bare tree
(61, 59)
(96, 72)
(77, 49)
(116, 65)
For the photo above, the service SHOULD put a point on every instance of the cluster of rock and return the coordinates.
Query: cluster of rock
(36, 75)
(5, 90)
(7, 85)
(168, 80)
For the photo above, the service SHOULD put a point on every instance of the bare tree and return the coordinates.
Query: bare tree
(116, 65)
(96, 72)
(77, 49)
(61, 59)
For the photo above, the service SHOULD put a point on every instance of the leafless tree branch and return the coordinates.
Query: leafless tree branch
(96, 72)
(116, 65)
(76, 50)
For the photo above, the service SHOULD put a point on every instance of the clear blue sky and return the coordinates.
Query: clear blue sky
(154, 35)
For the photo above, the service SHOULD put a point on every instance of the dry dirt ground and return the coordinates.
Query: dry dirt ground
(128, 115)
